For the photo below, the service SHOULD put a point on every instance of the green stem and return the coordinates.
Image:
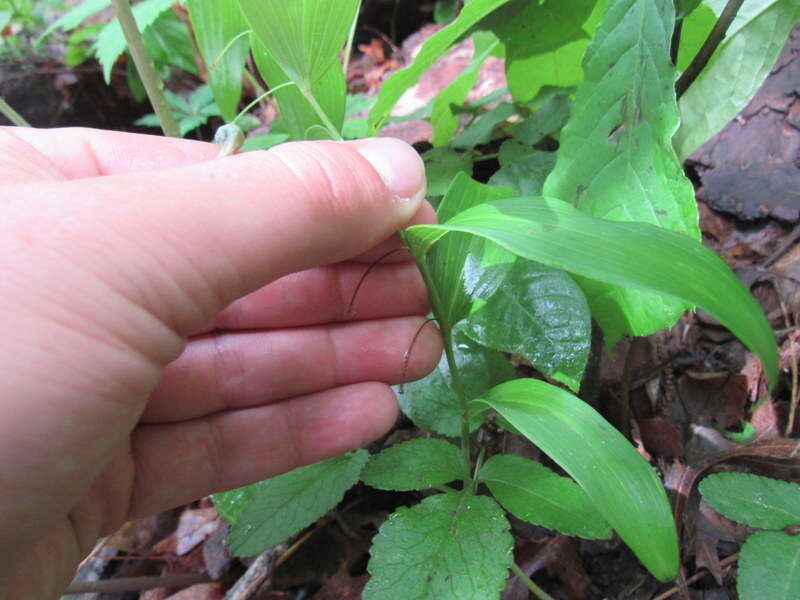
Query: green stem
(147, 71)
(227, 48)
(247, 108)
(9, 113)
(714, 39)
(486, 157)
(348, 48)
(329, 126)
(528, 583)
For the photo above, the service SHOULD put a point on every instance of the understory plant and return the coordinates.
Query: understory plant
(603, 228)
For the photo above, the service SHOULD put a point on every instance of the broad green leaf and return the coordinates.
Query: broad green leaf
(452, 546)
(739, 66)
(283, 505)
(536, 494)
(769, 567)
(416, 465)
(481, 130)
(431, 402)
(547, 120)
(436, 46)
(442, 165)
(622, 486)
(684, 7)
(230, 504)
(694, 31)
(637, 255)
(523, 168)
(541, 314)
(445, 117)
(753, 499)
(304, 37)
(216, 23)
(301, 118)
(616, 160)
(168, 43)
(463, 268)
(75, 16)
(444, 11)
(263, 142)
(111, 42)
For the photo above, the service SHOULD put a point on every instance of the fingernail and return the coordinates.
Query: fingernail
(400, 167)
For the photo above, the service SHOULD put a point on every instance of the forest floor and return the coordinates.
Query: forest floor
(693, 399)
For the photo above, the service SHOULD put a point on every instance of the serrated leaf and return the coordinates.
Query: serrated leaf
(230, 504)
(753, 499)
(168, 43)
(482, 129)
(615, 158)
(436, 46)
(431, 402)
(111, 42)
(416, 465)
(283, 505)
(304, 37)
(536, 494)
(216, 23)
(737, 69)
(547, 120)
(444, 117)
(75, 16)
(622, 486)
(523, 168)
(769, 567)
(452, 546)
(442, 165)
(541, 314)
(637, 255)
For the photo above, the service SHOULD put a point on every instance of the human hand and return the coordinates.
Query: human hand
(145, 360)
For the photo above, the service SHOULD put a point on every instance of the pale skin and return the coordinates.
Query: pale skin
(175, 324)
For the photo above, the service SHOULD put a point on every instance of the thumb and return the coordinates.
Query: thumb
(184, 242)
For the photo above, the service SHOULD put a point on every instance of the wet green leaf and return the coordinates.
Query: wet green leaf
(754, 500)
(416, 465)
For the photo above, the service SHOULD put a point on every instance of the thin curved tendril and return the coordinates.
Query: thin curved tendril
(407, 355)
(364, 276)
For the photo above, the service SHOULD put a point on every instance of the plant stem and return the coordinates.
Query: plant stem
(528, 583)
(458, 388)
(147, 71)
(709, 46)
(266, 94)
(227, 48)
(9, 113)
(329, 126)
(675, 44)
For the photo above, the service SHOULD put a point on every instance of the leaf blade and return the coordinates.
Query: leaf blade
(754, 500)
(415, 465)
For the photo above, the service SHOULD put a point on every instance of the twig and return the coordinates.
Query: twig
(256, 574)
(785, 245)
(12, 115)
(147, 71)
(714, 39)
(727, 561)
(675, 44)
(528, 583)
(137, 584)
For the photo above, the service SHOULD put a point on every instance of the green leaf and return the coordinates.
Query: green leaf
(436, 46)
(616, 160)
(168, 43)
(442, 165)
(684, 7)
(230, 504)
(302, 120)
(283, 505)
(75, 16)
(622, 486)
(739, 66)
(546, 120)
(446, 105)
(769, 567)
(431, 402)
(753, 499)
(111, 42)
(480, 131)
(694, 33)
(452, 546)
(262, 142)
(522, 168)
(304, 37)
(541, 314)
(216, 23)
(444, 11)
(637, 255)
(416, 465)
(536, 494)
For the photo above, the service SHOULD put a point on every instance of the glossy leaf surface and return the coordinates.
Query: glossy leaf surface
(283, 505)
(436, 46)
(615, 158)
(754, 500)
(737, 69)
(637, 255)
(230, 504)
(769, 567)
(622, 486)
(452, 546)
(216, 23)
(541, 314)
(415, 465)
(536, 494)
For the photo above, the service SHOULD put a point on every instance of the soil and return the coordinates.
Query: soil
(680, 395)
